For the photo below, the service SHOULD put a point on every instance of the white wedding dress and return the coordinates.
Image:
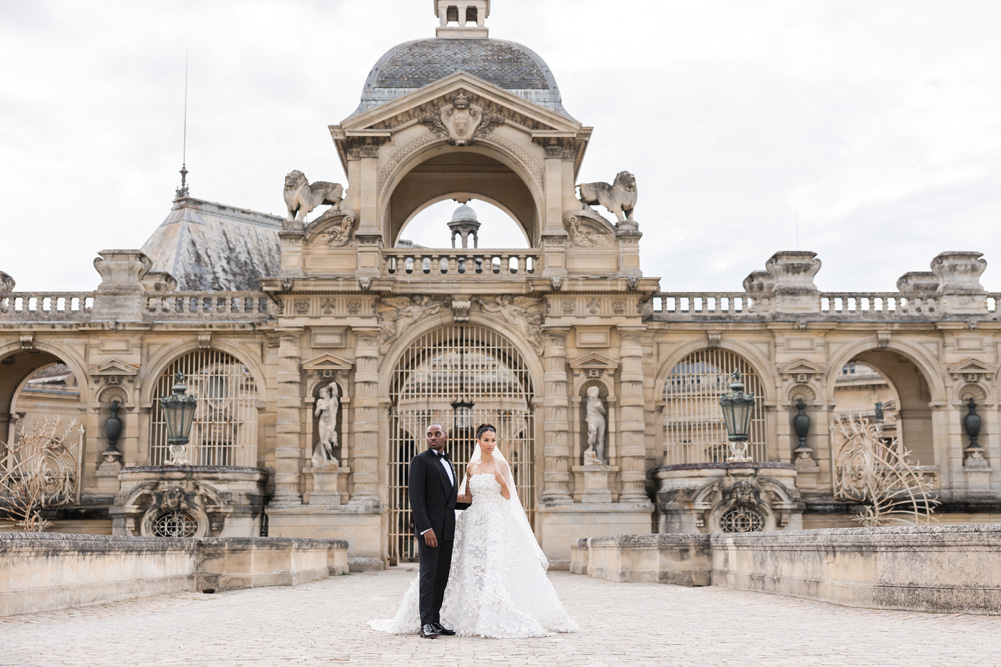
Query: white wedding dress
(497, 586)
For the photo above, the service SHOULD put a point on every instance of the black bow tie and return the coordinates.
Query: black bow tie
(443, 455)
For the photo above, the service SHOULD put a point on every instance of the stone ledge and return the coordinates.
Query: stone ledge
(47, 571)
(954, 569)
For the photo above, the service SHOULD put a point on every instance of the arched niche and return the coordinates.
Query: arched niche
(459, 172)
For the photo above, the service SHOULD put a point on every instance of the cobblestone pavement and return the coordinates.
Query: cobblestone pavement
(324, 623)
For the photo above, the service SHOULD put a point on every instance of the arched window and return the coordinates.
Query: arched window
(693, 419)
(225, 428)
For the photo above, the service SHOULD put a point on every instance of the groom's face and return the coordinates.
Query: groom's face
(436, 437)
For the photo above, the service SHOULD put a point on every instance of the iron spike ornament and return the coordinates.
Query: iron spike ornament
(737, 407)
(179, 413)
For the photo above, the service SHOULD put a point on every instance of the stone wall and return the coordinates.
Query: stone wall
(46, 571)
(946, 569)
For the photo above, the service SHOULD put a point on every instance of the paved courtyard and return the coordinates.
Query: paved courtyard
(621, 624)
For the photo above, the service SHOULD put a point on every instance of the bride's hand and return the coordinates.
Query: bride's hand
(505, 492)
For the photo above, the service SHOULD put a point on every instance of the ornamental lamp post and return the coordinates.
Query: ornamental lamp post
(179, 412)
(737, 406)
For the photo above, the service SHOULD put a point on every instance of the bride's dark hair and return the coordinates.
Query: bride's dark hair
(483, 428)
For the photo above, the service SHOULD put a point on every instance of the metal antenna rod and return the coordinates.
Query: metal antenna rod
(183, 190)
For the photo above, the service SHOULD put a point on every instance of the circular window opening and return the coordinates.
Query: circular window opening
(175, 524)
(742, 520)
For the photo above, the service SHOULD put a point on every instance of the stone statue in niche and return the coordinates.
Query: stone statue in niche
(619, 197)
(301, 196)
(326, 409)
(594, 418)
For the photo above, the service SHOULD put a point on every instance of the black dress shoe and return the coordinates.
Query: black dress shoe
(428, 631)
(442, 630)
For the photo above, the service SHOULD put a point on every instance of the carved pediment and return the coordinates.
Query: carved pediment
(327, 362)
(490, 99)
(800, 368)
(594, 361)
(113, 367)
(970, 369)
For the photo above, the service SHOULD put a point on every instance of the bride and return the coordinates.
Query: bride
(498, 585)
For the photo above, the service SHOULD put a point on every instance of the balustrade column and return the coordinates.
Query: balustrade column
(632, 427)
(288, 450)
(365, 459)
(556, 451)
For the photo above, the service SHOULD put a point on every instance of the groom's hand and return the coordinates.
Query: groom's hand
(430, 539)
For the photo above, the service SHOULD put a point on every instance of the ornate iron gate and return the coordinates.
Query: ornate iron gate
(458, 376)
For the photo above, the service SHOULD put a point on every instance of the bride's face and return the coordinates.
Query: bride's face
(488, 442)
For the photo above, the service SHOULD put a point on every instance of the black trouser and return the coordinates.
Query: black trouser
(435, 565)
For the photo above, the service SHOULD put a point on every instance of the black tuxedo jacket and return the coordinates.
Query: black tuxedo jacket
(432, 496)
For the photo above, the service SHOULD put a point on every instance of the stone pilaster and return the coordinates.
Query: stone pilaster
(556, 450)
(365, 457)
(288, 452)
(632, 449)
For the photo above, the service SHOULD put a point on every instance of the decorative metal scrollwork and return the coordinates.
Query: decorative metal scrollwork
(175, 524)
(742, 520)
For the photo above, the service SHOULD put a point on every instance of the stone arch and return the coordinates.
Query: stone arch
(457, 195)
(694, 431)
(225, 430)
(762, 366)
(424, 176)
(908, 372)
(392, 357)
(156, 364)
(25, 362)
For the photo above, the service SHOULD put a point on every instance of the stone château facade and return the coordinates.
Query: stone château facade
(261, 314)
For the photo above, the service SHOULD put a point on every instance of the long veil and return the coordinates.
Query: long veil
(518, 517)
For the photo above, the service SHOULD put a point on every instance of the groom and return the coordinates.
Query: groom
(432, 500)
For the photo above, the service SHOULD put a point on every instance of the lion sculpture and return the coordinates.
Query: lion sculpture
(301, 196)
(619, 197)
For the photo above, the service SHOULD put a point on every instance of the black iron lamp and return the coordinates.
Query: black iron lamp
(179, 412)
(737, 407)
(462, 414)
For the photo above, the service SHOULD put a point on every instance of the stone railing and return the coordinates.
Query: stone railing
(839, 306)
(46, 306)
(700, 305)
(46, 571)
(237, 306)
(473, 263)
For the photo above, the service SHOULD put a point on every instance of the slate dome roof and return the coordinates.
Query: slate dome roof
(508, 65)
(464, 212)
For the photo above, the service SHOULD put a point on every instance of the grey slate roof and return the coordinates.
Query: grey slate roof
(508, 65)
(213, 247)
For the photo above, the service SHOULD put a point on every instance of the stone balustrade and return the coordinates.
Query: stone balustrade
(239, 306)
(839, 306)
(46, 306)
(475, 264)
(47, 571)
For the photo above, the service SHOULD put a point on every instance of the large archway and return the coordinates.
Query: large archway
(898, 385)
(463, 173)
(459, 376)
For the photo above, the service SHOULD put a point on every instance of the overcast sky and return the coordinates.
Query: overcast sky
(874, 127)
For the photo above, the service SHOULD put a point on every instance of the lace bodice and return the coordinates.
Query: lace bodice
(486, 490)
